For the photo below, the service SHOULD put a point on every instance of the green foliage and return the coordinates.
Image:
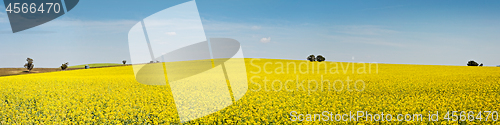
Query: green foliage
(64, 66)
(320, 58)
(311, 58)
(29, 65)
(472, 63)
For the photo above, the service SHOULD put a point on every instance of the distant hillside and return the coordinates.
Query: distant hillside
(95, 65)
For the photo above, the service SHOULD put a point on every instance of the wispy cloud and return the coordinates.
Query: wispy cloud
(365, 34)
(365, 40)
(171, 33)
(265, 40)
(3, 17)
(363, 30)
(212, 25)
(87, 26)
(215, 25)
(383, 8)
(73, 25)
(256, 27)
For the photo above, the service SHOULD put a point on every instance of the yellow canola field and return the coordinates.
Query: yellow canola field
(276, 88)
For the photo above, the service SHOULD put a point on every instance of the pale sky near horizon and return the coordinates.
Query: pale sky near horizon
(402, 32)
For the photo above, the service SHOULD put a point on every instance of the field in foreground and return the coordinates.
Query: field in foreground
(112, 96)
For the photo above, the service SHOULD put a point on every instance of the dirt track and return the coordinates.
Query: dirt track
(20, 71)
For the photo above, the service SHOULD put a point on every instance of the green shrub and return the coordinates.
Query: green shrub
(320, 58)
(472, 63)
(29, 65)
(64, 66)
(311, 58)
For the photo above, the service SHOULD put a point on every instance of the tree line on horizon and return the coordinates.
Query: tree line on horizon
(29, 62)
(318, 58)
(474, 63)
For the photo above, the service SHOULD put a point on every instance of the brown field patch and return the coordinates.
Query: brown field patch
(20, 71)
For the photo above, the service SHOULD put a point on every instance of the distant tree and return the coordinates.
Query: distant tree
(64, 66)
(311, 58)
(124, 61)
(472, 63)
(320, 58)
(481, 64)
(29, 65)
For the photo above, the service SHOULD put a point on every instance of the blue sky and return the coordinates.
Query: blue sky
(402, 32)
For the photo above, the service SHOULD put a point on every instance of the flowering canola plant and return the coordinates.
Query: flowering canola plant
(113, 96)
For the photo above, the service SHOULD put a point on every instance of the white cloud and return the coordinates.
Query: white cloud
(383, 8)
(366, 34)
(3, 17)
(366, 40)
(171, 33)
(265, 40)
(87, 26)
(256, 27)
(77, 26)
(363, 30)
(214, 25)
